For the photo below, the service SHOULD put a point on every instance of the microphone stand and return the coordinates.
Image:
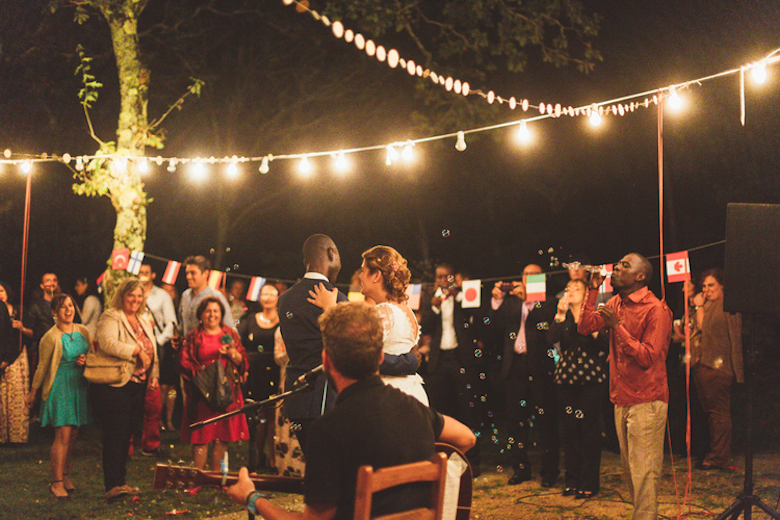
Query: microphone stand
(251, 409)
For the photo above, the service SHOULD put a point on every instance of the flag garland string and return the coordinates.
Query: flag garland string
(234, 274)
(598, 109)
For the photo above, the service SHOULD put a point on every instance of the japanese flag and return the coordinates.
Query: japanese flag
(472, 294)
(678, 267)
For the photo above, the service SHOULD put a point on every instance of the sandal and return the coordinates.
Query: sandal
(70, 490)
(58, 497)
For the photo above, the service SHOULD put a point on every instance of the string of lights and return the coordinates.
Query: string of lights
(595, 112)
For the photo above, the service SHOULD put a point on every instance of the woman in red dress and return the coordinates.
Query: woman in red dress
(213, 342)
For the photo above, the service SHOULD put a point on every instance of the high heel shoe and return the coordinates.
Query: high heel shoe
(70, 490)
(58, 497)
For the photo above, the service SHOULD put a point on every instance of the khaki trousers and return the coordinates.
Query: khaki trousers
(640, 430)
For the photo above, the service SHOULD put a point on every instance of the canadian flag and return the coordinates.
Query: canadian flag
(678, 267)
(472, 294)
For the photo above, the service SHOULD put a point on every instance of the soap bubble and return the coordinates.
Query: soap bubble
(289, 315)
(445, 233)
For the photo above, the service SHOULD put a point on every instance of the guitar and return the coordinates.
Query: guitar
(184, 477)
(169, 476)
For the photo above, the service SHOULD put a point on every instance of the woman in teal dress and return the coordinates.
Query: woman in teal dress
(60, 377)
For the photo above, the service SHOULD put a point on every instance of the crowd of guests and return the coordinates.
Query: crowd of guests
(555, 361)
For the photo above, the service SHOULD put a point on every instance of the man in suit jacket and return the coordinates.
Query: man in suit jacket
(527, 365)
(298, 321)
(451, 375)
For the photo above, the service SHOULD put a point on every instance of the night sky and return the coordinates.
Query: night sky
(489, 209)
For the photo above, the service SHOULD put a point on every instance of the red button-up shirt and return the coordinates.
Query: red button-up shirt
(637, 347)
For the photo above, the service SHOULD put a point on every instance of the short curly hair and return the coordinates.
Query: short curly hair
(392, 265)
(352, 337)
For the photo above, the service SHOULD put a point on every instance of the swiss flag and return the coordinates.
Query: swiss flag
(678, 267)
(119, 259)
(472, 294)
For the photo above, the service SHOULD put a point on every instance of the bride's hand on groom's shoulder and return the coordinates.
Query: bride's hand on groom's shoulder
(323, 298)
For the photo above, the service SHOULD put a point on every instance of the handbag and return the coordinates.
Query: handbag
(106, 370)
(214, 386)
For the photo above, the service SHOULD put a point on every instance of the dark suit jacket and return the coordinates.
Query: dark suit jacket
(303, 341)
(508, 317)
(461, 320)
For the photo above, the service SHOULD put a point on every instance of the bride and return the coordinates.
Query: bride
(384, 277)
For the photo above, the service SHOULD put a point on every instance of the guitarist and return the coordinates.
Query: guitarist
(371, 424)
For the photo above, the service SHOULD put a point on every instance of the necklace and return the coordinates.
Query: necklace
(263, 319)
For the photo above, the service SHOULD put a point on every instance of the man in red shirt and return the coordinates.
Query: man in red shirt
(640, 330)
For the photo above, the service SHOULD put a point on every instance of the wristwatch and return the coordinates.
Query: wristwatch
(251, 498)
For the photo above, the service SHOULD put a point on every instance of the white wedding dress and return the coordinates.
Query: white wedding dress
(401, 333)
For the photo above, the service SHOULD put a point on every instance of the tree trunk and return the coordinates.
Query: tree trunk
(125, 186)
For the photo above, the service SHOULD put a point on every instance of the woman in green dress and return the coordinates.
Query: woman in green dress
(60, 377)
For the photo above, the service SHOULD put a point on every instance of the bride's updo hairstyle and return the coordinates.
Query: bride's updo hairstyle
(392, 265)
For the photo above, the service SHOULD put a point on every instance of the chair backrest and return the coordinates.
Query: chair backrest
(370, 481)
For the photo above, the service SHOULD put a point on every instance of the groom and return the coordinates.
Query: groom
(303, 340)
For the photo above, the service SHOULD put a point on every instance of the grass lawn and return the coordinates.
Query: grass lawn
(25, 476)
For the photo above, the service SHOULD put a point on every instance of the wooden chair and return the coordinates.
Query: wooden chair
(370, 481)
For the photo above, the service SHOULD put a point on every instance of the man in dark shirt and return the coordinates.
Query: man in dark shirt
(372, 424)
(39, 317)
(640, 331)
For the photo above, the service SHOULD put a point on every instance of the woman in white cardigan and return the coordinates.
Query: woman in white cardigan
(126, 335)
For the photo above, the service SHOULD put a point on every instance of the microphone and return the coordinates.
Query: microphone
(309, 377)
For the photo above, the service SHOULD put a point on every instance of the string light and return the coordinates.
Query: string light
(523, 135)
(232, 170)
(392, 155)
(759, 72)
(143, 165)
(341, 162)
(595, 117)
(675, 103)
(26, 167)
(172, 165)
(7, 153)
(66, 158)
(264, 166)
(304, 167)
(408, 153)
(119, 164)
(197, 170)
(460, 144)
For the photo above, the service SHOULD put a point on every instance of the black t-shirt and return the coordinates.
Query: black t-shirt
(372, 424)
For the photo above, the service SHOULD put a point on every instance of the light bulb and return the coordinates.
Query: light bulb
(408, 154)
(264, 165)
(759, 73)
(26, 167)
(197, 170)
(232, 169)
(143, 166)
(79, 164)
(341, 162)
(119, 164)
(392, 155)
(595, 118)
(460, 144)
(523, 135)
(675, 103)
(304, 167)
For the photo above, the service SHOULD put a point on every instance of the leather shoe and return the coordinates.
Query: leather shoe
(581, 494)
(519, 478)
(569, 492)
(115, 493)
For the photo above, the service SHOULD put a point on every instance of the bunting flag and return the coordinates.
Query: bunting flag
(536, 288)
(171, 272)
(253, 293)
(606, 285)
(678, 267)
(472, 294)
(99, 282)
(119, 259)
(136, 259)
(355, 296)
(215, 279)
(414, 290)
